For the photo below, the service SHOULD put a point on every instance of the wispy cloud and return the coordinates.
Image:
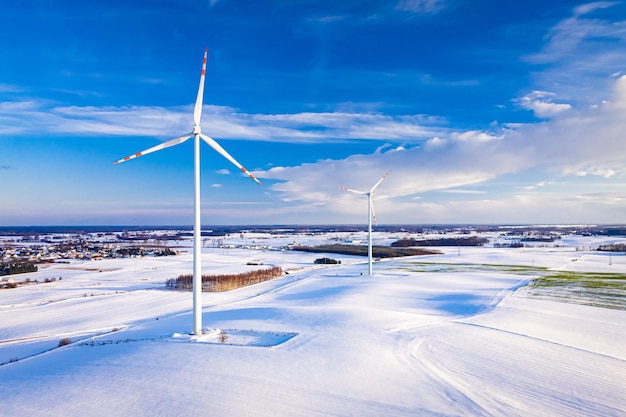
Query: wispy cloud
(584, 9)
(422, 6)
(580, 35)
(221, 122)
(9, 88)
(458, 191)
(524, 207)
(6, 167)
(580, 51)
(327, 19)
(373, 11)
(540, 184)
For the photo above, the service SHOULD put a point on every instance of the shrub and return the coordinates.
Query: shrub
(326, 261)
(65, 341)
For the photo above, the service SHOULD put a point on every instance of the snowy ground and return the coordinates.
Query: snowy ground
(328, 341)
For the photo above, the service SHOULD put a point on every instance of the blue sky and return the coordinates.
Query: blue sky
(484, 111)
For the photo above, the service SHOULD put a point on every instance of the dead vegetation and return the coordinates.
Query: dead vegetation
(226, 282)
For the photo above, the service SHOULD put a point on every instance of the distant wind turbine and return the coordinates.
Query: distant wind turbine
(370, 214)
(197, 134)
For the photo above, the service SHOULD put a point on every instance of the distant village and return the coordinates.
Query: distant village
(76, 249)
(21, 254)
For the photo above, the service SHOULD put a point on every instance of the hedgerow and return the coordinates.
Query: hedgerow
(225, 282)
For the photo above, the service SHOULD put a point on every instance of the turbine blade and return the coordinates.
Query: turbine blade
(171, 142)
(351, 190)
(379, 181)
(213, 144)
(373, 212)
(197, 110)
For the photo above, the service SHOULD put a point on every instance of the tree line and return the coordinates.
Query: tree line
(225, 282)
(359, 250)
(613, 247)
(446, 241)
(17, 268)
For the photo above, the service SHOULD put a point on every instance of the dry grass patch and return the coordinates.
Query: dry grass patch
(225, 282)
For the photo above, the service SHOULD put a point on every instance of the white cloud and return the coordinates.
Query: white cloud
(588, 140)
(473, 136)
(572, 143)
(540, 102)
(526, 207)
(223, 171)
(414, 170)
(619, 99)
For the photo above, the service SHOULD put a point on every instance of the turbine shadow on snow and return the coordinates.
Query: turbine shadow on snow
(253, 313)
(317, 295)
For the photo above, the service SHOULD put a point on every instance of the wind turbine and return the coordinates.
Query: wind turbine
(370, 214)
(197, 134)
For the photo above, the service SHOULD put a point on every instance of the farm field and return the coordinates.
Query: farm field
(476, 331)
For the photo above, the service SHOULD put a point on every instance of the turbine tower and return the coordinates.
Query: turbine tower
(197, 134)
(370, 215)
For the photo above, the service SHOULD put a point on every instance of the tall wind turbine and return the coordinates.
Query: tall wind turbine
(370, 214)
(196, 134)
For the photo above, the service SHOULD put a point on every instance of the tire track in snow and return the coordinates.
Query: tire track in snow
(506, 374)
(537, 338)
(435, 383)
(85, 313)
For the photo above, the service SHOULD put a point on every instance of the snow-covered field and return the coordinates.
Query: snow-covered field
(413, 340)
